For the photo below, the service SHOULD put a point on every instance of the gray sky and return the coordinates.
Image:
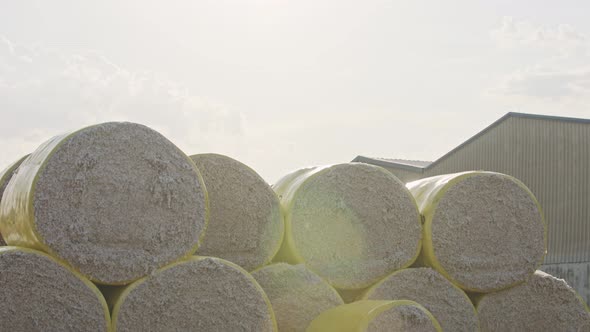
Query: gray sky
(282, 84)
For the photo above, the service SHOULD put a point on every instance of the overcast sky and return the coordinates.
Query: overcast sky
(282, 84)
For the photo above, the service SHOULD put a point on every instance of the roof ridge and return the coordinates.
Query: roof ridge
(547, 117)
(423, 161)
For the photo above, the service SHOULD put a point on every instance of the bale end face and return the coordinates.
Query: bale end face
(447, 303)
(245, 225)
(352, 224)
(40, 294)
(197, 294)
(542, 303)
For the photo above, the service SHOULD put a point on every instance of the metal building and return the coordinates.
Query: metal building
(551, 155)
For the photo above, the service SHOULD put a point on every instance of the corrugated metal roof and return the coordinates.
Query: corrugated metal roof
(388, 161)
(412, 165)
(417, 163)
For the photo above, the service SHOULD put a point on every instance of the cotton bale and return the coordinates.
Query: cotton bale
(484, 231)
(447, 303)
(41, 294)
(115, 200)
(245, 225)
(352, 224)
(196, 294)
(543, 303)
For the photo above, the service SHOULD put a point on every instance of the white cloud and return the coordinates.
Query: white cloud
(556, 72)
(562, 38)
(44, 92)
(547, 83)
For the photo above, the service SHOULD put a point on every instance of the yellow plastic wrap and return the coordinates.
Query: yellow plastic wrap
(6, 173)
(5, 176)
(356, 316)
(428, 192)
(86, 282)
(286, 188)
(116, 296)
(283, 184)
(17, 214)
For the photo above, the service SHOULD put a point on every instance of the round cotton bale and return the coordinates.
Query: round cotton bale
(376, 316)
(484, 231)
(198, 294)
(543, 303)
(41, 294)
(352, 224)
(448, 304)
(245, 225)
(5, 177)
(297, 295)
(116, 201)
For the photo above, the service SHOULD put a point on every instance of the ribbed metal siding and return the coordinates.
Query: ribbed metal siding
(552, 158)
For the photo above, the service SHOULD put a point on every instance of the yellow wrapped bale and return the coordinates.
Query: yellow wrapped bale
(41, 294)
(448, 304)
(376, 316)
(484, 231)
(5, 177)
(115, 201)
(352, 224)
(245, 225)
(297, 295)
(196, 294)
(543, 303)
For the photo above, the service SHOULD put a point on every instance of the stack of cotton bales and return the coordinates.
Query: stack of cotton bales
(204, 243)
(482, 238)
(119, 205)
(485, 233)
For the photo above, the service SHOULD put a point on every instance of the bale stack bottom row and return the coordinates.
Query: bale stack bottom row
(113, 228)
